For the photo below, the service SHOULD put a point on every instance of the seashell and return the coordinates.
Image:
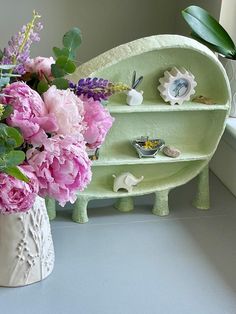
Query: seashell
(171, 151)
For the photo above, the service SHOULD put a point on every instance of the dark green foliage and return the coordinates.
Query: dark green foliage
(7, 111)
(42, 87)
(209, 32)
(11, 138)
(60, 83)
(65, 57)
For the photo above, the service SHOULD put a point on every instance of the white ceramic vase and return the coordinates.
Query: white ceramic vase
(230, 67)
(26, 246)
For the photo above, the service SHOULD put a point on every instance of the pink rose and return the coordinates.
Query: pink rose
(41, 66)
(29, 112)
(16, 195)
(62, 168)
(68, 110)
(98, 120)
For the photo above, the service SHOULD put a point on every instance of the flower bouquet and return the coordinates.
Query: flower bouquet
(47, 124)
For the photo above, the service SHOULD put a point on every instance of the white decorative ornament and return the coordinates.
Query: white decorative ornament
(125, 181)
(177, 85)
(134, 98)
(26, 246)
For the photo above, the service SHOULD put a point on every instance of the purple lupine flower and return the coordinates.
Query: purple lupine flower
(18, 50)
(97, 88)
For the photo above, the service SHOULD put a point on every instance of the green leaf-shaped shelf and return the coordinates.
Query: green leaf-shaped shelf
(194, 128)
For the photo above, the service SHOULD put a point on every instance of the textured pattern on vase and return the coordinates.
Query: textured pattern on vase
(26, 247)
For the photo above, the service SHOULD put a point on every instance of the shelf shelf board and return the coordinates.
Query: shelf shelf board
(122, 159)
(155, 106)
(100, 189)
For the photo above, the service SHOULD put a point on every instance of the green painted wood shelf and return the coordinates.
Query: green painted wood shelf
(192, 127)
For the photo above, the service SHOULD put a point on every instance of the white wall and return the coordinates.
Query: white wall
(104, 23)
(228, 17)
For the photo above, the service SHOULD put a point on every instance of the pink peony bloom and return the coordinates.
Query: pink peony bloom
(15, 195)
(62, 168)
(98, 120)
(41, 66)
(29, 114)
(68, 110)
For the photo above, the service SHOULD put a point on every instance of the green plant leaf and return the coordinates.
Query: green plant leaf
(70, 67)
(61, 83)
(57, 71)
(42, 87)
(208, 29)
(14, 158)
(61, 52)
(1, 54)
(66, 64)
(7, 111)
(217, 49)
(15, 172)
(72, 40)
(16, 135)
(61, 61)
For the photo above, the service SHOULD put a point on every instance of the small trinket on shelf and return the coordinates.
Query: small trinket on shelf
(177, 85)
(134, 98)
(204, 100)
(171, 151)
(146, 147)
(125, 181)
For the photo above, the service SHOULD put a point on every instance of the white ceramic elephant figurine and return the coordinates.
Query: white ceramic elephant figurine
(125, 180)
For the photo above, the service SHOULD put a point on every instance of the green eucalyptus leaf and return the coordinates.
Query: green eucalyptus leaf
(61, 61)
(2, 163)
(2, 149)
(72, 40)
(15, 172)
(16, 135)
(9, 144)
(3, 130)
(70, 67)
(1, 54)
(57, 71)
(8, 109)
(60, 83)
(42, 87)
(208, 29)
(15, 158)
(61, 52)
(66, 64)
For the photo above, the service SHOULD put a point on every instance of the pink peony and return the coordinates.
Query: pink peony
(68, 110)
(98, 120)
(29, 114)
(62, 168)
(41, 66)
(16, 195)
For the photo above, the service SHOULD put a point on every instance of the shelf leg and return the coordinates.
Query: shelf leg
(124, 204)
(202, 197)
(161, 207)
(51, 207)
(79, 213)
